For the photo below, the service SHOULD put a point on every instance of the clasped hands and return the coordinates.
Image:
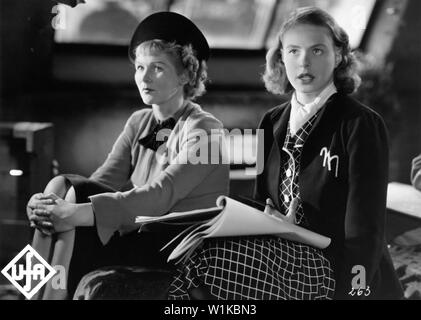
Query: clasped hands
(290, 217)
(50, 214)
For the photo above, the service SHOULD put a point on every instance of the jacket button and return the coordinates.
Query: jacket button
(286, 198)
(289, 173)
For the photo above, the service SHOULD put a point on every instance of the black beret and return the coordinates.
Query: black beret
(171, 27)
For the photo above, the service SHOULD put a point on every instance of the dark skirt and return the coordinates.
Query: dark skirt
(131, 249)
(257, 268)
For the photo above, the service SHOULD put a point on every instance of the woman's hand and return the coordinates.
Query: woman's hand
(58, 212)
(290, 217)
(36, 216)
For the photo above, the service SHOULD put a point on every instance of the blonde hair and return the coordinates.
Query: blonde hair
(185, 59)
(345, 76)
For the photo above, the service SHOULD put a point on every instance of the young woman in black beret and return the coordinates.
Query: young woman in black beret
(85, 223)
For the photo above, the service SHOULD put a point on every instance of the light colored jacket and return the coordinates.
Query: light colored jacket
(163, 181)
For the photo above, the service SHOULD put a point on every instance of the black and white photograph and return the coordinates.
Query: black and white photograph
(216, 152)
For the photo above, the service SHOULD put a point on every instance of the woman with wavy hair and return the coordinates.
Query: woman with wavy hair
(325, 168)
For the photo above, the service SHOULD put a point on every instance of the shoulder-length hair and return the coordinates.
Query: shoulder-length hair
(184, 59)
(345, 76)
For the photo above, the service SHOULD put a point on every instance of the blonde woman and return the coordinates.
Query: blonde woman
(83, 223)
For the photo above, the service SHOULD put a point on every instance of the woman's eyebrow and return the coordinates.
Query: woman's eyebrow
(318, 45)
(312, 46)
(160, 62)
(152, 62)
(292, 46)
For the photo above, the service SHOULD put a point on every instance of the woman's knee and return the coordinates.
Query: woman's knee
(58, 185)
(70, 195)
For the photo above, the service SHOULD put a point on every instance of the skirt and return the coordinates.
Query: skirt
(256, 268)
(131, 249)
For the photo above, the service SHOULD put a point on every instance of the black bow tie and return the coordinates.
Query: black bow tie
(150, 141)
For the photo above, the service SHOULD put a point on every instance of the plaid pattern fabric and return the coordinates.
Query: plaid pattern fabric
(288, 188)
(256, 268)
(261, 267)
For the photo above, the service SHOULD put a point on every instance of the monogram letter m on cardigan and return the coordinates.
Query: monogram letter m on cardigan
(328, 159)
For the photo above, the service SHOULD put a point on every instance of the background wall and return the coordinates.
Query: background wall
(406, 58)
(88, 93)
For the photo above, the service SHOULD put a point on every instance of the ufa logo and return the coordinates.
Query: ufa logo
(28, 272)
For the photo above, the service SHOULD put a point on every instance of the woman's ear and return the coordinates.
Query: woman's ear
(184, 78)
(338, 57)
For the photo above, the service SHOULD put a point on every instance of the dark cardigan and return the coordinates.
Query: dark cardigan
(343, 184)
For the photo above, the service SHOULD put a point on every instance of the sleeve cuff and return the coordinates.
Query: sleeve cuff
(106, 219)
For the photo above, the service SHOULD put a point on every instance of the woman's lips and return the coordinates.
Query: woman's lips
(306, 77)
